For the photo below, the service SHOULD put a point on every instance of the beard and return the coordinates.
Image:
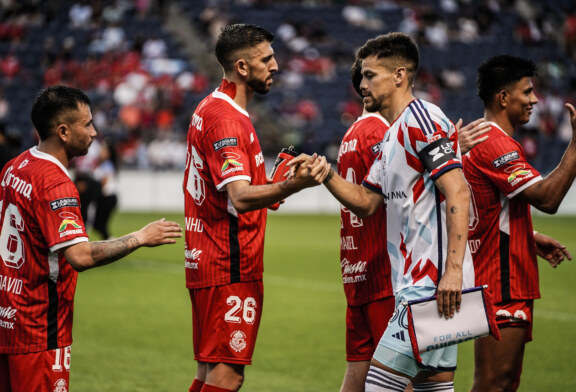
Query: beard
(258, 85)
(373, 105)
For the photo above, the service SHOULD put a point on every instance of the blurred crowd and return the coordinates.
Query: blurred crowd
(144, 88)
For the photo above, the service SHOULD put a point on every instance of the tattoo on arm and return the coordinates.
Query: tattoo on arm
(104, 252)
(453, 210)
(458, 237)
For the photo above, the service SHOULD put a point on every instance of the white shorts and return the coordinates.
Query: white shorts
(395, 349)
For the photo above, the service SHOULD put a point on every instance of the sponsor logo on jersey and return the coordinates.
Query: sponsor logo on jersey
(7, 314)
(69, 220)
(194, 224)
(61, 203)
(504, 159)
(376, 148)
(353, 273)
(231, 163)
(227, 142)
(11, 285)
(61, 386)
(259, 158)
(395, 195)
(192, 257)
(400, 336)
(19, 185)
(238, 341)
(519, 175)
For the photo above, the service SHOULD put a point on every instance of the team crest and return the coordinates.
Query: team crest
(61, 386)
(24, 163)
(68, 219)
(238, 341)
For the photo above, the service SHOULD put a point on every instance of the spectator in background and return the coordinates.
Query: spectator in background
(80, 14)
(105, 174)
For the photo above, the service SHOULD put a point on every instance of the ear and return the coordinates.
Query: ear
(400, 74)
(241, 67)
(503, 98)
(63, 132)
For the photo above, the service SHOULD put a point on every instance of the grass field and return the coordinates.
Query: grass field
(133, 321)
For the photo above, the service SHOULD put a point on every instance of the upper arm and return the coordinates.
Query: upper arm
(78, 255)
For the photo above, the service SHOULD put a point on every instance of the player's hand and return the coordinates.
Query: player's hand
(449, 294)
(159, 232)
(551, 250)
(469, 136)
(308, 170)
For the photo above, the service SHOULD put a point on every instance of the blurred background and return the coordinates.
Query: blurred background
(146, 64)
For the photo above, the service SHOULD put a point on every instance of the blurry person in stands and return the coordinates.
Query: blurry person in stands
(105, 174)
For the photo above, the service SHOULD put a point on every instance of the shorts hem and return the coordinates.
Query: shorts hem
(234, 361)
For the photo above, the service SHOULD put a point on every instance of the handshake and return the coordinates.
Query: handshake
(300, 170)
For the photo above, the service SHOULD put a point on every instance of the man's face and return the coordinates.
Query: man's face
(261, 67)
(377, 83)
(521, 101)
(81, 131)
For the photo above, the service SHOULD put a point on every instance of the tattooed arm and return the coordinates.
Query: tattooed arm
(87, 255)
(454, 187)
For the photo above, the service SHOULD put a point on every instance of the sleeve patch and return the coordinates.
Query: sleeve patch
(231, 163)
(376, 148)
(227, 142)
(504, 159)
(61, 203)
(437, 153)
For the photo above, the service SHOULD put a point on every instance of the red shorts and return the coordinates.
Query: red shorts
(46, 371)
(365, 325)
(516, 314)
(225, 321)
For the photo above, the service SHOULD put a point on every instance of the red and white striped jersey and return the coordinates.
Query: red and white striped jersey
(363, 254)
(40, 215)
(501, 236)
(222, 246)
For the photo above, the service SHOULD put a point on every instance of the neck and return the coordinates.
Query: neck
(48, 147)
(242, 93)
(396, 106)
(501, 119)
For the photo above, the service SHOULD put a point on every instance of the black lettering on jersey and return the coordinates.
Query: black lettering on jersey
(228, 142)
(376, 148)
(504, 159)
(61, 203)
(437, 153)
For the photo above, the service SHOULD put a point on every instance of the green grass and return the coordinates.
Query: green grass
(133, 321)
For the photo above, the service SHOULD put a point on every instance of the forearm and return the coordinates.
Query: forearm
(547, 194)
(255, 197)
(356, 198)
(457, 211)
(95, 254)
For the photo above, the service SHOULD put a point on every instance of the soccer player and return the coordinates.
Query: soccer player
(504, 186)
(43, 244)
(226, 195)
(418, 173)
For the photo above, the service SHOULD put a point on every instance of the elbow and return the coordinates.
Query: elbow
(547, 208)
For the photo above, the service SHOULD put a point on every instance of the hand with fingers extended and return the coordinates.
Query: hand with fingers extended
(551, 250)
(449, 293)
(471, 135)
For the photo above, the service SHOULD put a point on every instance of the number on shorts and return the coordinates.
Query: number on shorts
(247, 307)
(61, 359)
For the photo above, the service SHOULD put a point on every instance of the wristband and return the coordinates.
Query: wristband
(328, 177)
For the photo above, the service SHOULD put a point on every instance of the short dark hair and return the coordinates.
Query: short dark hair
(237, 37)
(398, 47)
(356, 75)
(51, 103)
(501, 71)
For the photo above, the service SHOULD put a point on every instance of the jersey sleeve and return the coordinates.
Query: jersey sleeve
(504, 163)
(433, 138)
(62, 223)
(227, 153)
(373, 179)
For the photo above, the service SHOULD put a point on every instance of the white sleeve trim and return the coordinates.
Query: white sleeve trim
(66, 244)
(232, 179)
(527, 185)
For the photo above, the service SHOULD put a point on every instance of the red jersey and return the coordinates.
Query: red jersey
(363, 252)
(40, 214)
(501, 236)
(222, 246)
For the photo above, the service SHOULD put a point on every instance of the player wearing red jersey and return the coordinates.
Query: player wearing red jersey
(363, 254)
(501, 238)
(226, 195)
(43, 243)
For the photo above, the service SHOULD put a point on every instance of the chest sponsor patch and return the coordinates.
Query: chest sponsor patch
(61, 203)
(227, 142)
(504, 159)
